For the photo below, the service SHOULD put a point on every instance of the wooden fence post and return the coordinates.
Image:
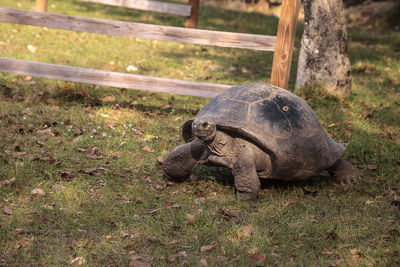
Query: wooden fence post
(191, 21)
(284, 43)
(41, 5)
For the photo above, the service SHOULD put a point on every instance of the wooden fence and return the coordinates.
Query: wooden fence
(282, 44)
(189, 11)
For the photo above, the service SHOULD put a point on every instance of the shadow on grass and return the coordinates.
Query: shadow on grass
(371, 40)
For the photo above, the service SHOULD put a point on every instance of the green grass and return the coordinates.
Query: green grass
(123, 208)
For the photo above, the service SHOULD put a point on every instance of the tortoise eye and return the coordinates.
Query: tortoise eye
(205, 124)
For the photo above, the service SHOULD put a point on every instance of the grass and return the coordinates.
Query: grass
(106, 201)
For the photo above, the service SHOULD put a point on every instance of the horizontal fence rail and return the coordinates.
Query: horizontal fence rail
(170, 8)
(108, 78)
(140, 30)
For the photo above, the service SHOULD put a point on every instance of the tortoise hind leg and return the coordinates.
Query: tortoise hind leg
(244, 171)
(343, 171)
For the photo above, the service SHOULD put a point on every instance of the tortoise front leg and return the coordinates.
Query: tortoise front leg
(178, 165)
(244, 171)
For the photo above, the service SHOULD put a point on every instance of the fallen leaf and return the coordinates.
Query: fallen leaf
(46, 131)
(47, 206)
(149, 149)
(152, 239)
(40, 143)
(372, 167)
(46, 172)
(171, 259)
(222, 258)
(289, 203)
(42, 218)
(160, 186)
(66, 175)
(208, 247)
(90, 171)
(203, 262)
(168, 204)
(124, 199)
(369, 69)
(108, 98)
(124, 175)
(348, 131)
(258, 259)
(7, 211)
(38, 191)
(58, 187)
(30, 211)
(190, 219)
(353, 251)
(173, 242)
(182, 254)
(252, 251)
(327, 252)
(160, 160)
(229, 214)
(80, 244)
(369, 115)
(139, 263)
(18, 154)
(247, 231)
(131, 246)
(78, 261)
(81, 150)
(7, 182)
(333, 235)
(94, 154)
(28, 231)
(388, 135)
(25, 200)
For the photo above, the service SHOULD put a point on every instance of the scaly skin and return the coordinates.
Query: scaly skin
(246, 180)
(344, 172)
(216, 148)
(178, 165)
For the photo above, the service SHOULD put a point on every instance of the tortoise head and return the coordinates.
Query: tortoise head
(204, 130)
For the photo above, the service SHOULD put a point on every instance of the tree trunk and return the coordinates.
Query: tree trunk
(324, 59)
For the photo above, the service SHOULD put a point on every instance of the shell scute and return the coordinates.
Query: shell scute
(266, 113)
(224, 109)
(250, 93)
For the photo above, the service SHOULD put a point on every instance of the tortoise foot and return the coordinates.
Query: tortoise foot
(344, 172)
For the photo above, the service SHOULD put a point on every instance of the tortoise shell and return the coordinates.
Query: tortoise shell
(279, 122)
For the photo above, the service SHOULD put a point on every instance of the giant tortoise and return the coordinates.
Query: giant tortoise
(259, 131)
